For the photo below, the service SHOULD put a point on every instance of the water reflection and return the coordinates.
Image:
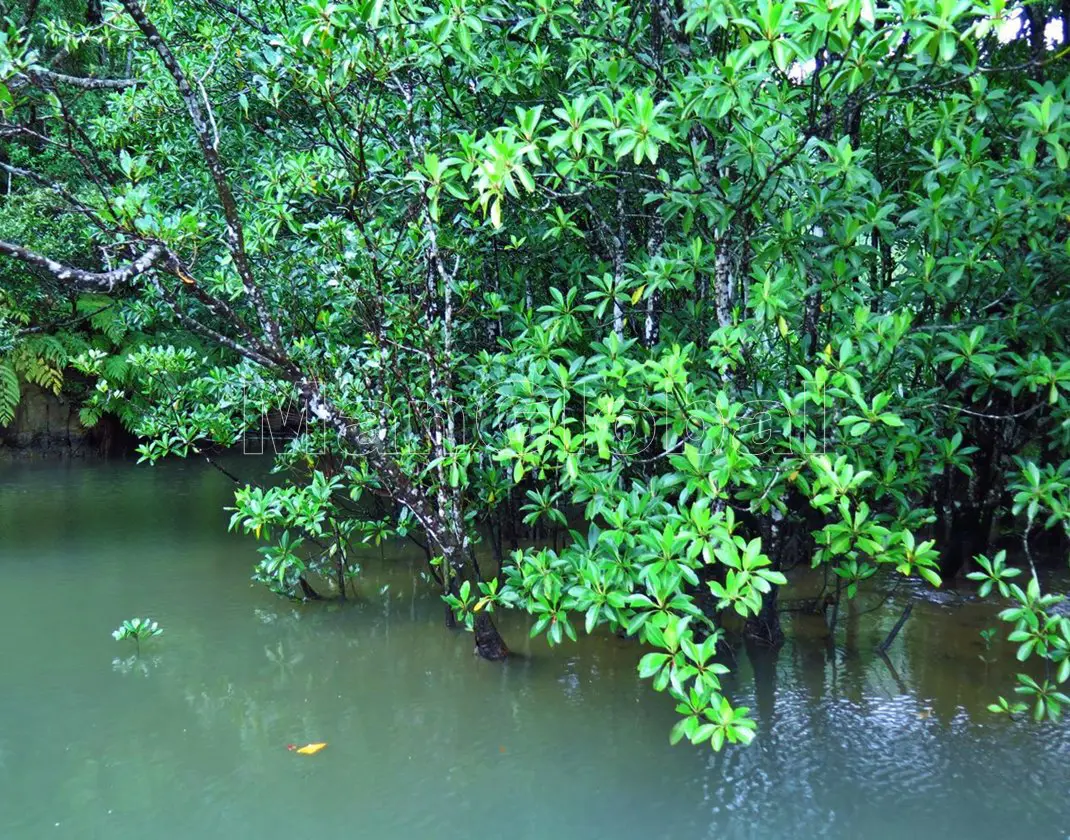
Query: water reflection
(135, 665)
(426, 740)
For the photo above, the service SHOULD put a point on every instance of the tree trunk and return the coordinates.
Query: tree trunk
(31, 10)
(307, 590)
(652, 324)
(765, 626)
(340, 578)
(812, 307)
(457, 563)
(764, 664)
(1038, 21)
(722, 281)
(489, 642)
(495, 528)
(618, 244)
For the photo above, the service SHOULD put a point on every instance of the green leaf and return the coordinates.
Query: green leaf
(651, 664)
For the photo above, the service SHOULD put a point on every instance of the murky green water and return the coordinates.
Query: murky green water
(425, 740)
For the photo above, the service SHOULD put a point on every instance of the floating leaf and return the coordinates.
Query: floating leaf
(307, 749)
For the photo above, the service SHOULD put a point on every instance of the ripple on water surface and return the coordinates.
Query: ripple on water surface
(189, 740)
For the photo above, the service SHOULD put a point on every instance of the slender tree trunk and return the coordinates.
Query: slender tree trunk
(307, 590)
(619, 257)
(340, 578)
(1037, 23)
(812, 312)
(887, 643)
(31, 10)
(458, 566)
(489, 642)
(763, 661)
(652, 324)
(765, 626)
(833, 618)
(495, 527)
(723, 280)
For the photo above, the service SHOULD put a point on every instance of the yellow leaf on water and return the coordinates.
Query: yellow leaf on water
(310, 749)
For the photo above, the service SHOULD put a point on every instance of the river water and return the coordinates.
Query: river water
(189, 740)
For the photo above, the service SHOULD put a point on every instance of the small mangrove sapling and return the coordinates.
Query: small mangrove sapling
(137, 629)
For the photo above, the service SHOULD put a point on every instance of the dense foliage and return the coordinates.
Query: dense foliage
(708, 289)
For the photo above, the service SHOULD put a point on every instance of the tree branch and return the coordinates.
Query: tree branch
(57, 188)
(48, 78)
(239, 14)
(98, 281)
(210, 154)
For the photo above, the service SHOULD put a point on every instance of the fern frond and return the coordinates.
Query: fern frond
(74, 344)
(116, 369)
(105, 316)
(10, 393)
(89, 415)
(89, 304)
(47, 347)
(45, 373)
